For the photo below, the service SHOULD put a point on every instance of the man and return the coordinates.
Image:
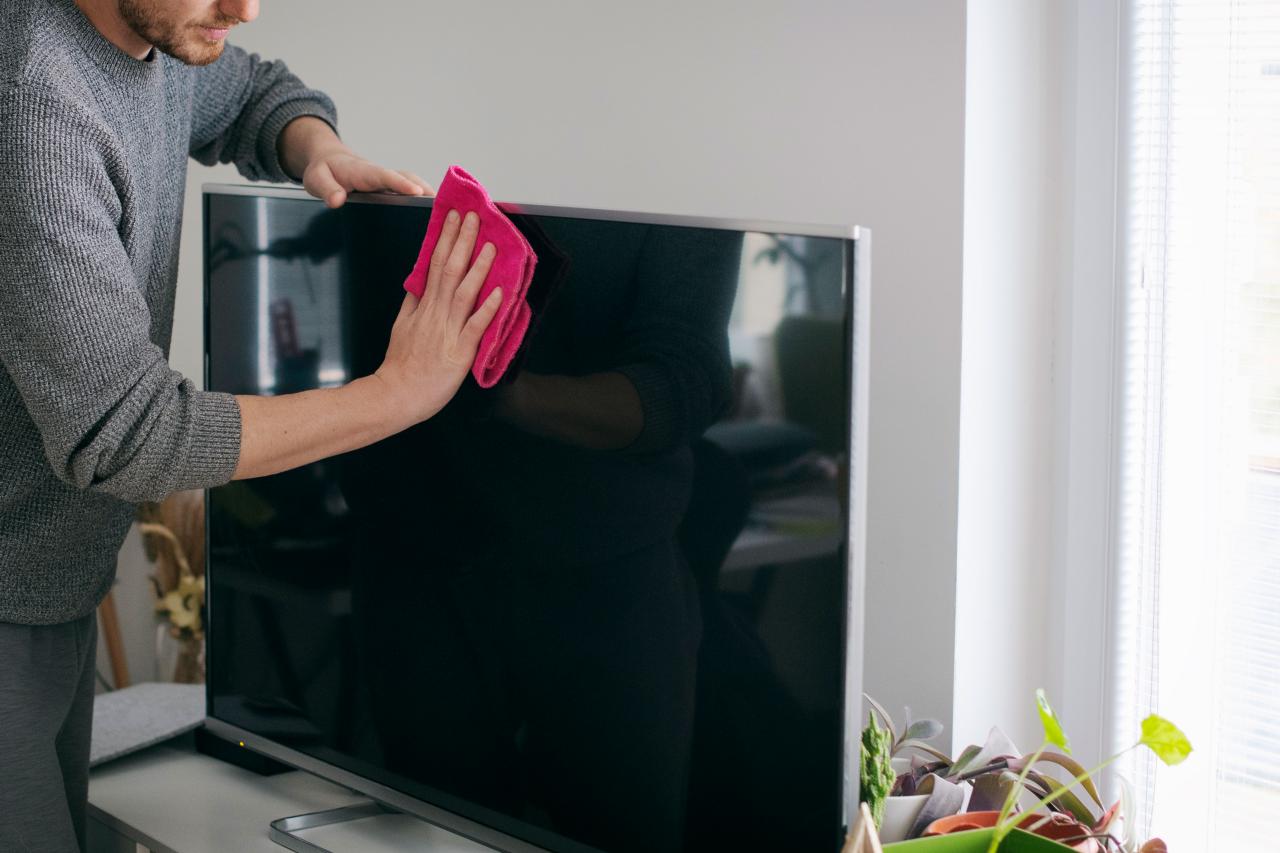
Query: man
(101, 103)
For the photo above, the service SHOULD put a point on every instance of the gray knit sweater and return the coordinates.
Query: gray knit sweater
(93, 152)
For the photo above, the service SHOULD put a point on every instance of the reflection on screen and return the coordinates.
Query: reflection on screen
(600, 604)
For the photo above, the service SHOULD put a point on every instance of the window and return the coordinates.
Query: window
(1198, 628)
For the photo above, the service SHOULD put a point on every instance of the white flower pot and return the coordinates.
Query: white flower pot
(899, 814)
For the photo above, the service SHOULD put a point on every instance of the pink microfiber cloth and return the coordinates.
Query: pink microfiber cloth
(512, 270)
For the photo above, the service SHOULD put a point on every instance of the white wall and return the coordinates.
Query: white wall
(815, 112)
(1016, 242)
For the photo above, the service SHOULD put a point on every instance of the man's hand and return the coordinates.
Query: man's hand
(329, 169)
(433, 343)
(333, 174)
(434, 339)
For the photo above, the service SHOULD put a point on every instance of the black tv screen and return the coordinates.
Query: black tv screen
(602, 605)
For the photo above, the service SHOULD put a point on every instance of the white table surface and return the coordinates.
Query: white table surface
(175, 800)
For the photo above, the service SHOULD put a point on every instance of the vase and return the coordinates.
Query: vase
(900, 815)
(189, 668)
(179, 659)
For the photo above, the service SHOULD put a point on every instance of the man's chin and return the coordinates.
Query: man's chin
(196, 51)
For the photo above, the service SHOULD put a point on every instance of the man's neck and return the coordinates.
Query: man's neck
(105, 17)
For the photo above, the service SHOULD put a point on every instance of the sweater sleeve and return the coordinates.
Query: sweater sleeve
(675, 339)
(75, 328)
(241, 104)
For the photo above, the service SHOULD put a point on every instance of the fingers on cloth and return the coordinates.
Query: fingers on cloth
(480, 320)
(440, 255)
(459, 260)
(464, 298)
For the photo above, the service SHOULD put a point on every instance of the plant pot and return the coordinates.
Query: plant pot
(977, 841)
(1057, 828)
(900, 815)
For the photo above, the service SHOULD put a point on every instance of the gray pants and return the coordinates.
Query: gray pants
(46, 718)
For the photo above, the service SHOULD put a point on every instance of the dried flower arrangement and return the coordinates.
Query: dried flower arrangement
(173, 535)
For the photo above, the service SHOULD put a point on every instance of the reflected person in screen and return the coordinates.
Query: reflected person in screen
(531, 631)
(102, 102)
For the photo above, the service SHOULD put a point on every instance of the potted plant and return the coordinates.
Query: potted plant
(1065, 817)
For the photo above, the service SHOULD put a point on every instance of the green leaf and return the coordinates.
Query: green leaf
(884, 716)
(1165, 739)
(1069, 764)
(1069, 801)
(1052, 728)
(924, 747)
(876, 776)
(962, 763)
(922, 730)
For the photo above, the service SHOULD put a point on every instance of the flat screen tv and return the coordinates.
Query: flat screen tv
(612, 603)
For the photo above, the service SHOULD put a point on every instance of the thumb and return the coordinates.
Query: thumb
(321, 183)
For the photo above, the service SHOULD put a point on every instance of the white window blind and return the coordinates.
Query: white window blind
(1198, 628)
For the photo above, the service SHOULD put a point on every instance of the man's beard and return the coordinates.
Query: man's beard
(181, 41)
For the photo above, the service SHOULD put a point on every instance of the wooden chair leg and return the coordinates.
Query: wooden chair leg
(110, 623)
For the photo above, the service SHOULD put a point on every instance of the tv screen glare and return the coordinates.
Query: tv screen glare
(604, 605)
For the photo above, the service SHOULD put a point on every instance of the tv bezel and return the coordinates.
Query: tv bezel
(856, 293)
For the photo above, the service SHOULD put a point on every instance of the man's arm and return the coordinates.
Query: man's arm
(259, 116)
(241, 105)
(75, 327)
(673, 344)
(600, 411)
(111, 413)
(433, 344)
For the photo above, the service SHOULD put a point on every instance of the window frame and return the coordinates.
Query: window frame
(1091, 345)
